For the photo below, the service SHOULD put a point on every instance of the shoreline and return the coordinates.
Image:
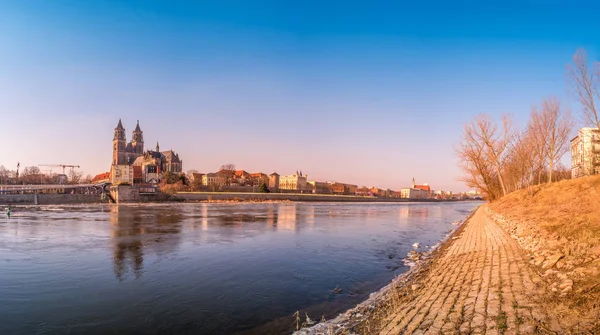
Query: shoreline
(353, 317)
(294, 197)
(207, 197)
(495, 273)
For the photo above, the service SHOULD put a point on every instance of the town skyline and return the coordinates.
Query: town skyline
(275, 88)
(145, 146)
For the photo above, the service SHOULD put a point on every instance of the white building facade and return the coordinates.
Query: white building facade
(585, 153)
(295, 182)
(413, 193)
(121, 174)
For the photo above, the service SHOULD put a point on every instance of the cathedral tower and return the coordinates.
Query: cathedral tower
(137, 141)
(119, 143)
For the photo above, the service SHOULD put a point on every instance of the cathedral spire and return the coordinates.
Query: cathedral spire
(119, 132)
(120, 126)
(157, 147)
(137, 127)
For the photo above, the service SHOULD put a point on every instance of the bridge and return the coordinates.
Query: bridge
(54, 188)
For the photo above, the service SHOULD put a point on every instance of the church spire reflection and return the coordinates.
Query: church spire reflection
(136, 232)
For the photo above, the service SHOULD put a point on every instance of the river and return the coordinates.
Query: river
(203, 268)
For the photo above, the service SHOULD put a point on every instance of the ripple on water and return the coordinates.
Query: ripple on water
(202, 268)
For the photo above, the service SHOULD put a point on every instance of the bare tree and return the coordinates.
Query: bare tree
(228, 167)
(75, 177)
(478, 172)
(538, 135)
(584, 84)
(31, 170)
(3, 175)
(562, 172)
(227, 171)
(558, 124)
(521, 161)
(495, 141)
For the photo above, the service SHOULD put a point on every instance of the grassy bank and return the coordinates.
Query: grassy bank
(559, 225)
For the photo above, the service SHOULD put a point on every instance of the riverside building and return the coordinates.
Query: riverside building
(585, 153)
(132, 164)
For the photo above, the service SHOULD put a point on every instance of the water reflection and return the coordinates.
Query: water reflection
(201, 268)
(204, 217)
(135, 232)
(272, 216)
(286, 217)
(414, 212)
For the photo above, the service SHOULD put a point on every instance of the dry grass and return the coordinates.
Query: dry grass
(566, 215)
(569, 208)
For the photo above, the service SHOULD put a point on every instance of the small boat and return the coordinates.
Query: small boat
(416, 245)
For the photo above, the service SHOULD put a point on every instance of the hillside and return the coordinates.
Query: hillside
(559, 225)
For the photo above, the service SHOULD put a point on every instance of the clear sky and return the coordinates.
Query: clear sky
(370, 92)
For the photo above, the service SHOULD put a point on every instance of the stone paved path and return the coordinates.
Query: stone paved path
(481, 284)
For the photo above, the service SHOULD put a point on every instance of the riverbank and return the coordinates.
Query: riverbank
(368, 317)
(558, 226)
(226, 197)
(528, 263)
(304, 197)
(480, 281)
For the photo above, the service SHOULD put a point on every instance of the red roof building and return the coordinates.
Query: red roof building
(100, 178)
(424, 187)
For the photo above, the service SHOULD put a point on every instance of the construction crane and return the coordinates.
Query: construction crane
(63, 166)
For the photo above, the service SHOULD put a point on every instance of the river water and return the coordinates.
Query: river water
(203, 268)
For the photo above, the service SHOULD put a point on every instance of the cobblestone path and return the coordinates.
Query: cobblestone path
(480, 284)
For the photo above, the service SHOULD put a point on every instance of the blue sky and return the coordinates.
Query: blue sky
(371, 93)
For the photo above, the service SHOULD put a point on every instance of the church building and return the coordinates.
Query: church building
(131, 164)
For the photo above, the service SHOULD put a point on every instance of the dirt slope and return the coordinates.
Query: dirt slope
(559, 225)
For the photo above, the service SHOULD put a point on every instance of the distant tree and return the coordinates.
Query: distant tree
(75, 177)
(170, 177)
(184, 179)
(228, 167)
(584, 83)
(30, 170)
(227, 171)
(562, 172)
(171, 189)
(12, 177)
(87, 179)
(4, 173)
(31, 175)
(263, 188)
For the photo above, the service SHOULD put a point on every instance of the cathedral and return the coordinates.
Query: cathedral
(131, 164)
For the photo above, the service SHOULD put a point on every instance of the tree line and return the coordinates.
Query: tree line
(497, 158)
(32, 175)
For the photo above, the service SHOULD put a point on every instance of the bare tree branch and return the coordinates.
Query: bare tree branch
(558, 124)
(584, 86)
